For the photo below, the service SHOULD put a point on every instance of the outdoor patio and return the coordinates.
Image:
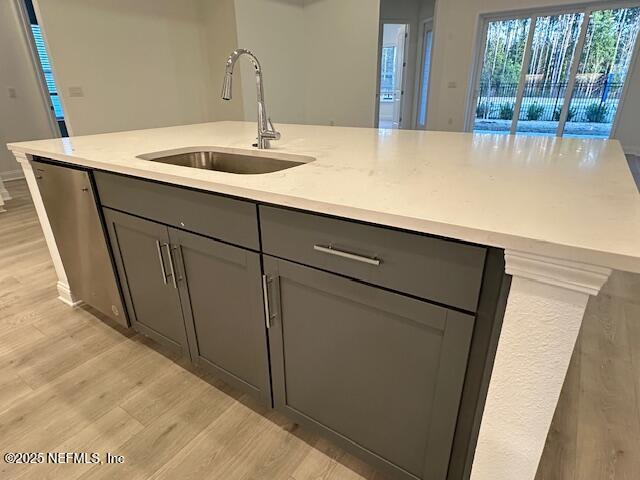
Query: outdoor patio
(541, 127)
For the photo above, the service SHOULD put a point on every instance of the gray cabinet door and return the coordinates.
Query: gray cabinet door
(143, 259)
(223, 310)
(378, 372)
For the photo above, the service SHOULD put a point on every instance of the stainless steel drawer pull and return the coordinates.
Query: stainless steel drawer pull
(351, 256)
(173, 270)
(162, 269)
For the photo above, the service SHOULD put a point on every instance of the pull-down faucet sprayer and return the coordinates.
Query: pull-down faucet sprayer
(266, 131)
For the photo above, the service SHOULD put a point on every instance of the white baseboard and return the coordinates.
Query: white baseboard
(4, 194)
(632, 150)
(12, 175)
(65, 295)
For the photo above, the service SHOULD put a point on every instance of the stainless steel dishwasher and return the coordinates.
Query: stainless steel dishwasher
(69, 200)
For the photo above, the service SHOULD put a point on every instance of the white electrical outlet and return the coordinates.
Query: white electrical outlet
(76, 92)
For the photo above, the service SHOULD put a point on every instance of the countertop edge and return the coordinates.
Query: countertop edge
(471, 235)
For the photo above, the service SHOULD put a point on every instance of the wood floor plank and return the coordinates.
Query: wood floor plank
(79, 397)
(632, 322)
(325, 461)
(18, 339)
(60, 350)
(226, 449)
(106, 434)
(12, 389)
(560, 450)
(162, 395)
(608, 448)
(46, 309)
(156, 444)
(319, 464)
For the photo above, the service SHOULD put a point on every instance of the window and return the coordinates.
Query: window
(46, 69)
(424, 78)
(387, 74)
(49, 83)
(560, 74)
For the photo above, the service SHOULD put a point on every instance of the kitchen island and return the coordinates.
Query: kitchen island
(565, 212)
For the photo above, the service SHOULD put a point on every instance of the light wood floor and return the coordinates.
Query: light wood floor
(70, 383)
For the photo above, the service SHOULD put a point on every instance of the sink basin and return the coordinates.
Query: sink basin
(226, 161)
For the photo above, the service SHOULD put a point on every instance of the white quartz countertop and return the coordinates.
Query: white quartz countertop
(573, 199)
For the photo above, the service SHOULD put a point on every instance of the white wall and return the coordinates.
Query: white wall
(24, 117)
(219, 24)
(456, 30)
(140, 63)
(628, 130)
(154, 63)
(342, 42)
(273, 30)
(427, 9)
(319, 59)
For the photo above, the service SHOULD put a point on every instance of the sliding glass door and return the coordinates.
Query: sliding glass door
(500, 76)
(530, 82)
(604, 64)
(552, 48)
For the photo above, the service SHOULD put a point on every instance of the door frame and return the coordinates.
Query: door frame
(417, 90)
(481, 37)
(403, 106)
(625, 88)
(34, 59)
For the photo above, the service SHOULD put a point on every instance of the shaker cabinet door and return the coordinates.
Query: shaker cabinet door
(378, 372)
(146, 269)
(223, 311)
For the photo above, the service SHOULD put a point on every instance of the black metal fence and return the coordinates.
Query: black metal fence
(593, 102)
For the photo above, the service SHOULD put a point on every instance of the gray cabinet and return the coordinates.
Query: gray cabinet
(197, 294)
(223, 309)
(378, 372)
(143, 259)
(381, 340)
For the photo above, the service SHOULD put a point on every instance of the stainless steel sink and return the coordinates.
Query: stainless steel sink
(225, 161)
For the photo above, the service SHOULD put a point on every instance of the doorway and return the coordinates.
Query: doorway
(44, 66)
(423, 74)
(392, 74)
(558, 73)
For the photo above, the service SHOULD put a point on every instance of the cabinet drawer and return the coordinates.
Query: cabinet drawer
(439, 270)
(227, 219)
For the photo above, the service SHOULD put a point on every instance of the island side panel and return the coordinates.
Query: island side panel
(545, 308)
(64, 291)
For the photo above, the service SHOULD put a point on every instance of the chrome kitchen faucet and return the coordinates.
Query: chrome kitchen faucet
(266, 131)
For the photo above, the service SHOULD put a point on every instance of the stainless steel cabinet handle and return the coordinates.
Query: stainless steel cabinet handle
(351, 256)
(265, 293)
(173, 270)
(164, 272)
